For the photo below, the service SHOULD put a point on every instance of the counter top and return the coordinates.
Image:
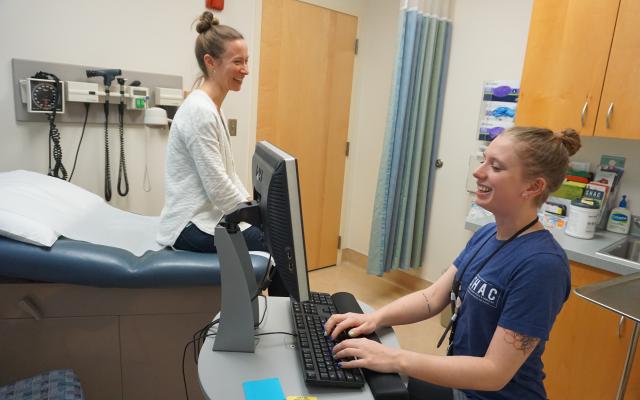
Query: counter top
(620, 295)
(579, 250)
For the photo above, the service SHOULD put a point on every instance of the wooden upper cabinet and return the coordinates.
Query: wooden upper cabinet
(619, 113)
(565, 63)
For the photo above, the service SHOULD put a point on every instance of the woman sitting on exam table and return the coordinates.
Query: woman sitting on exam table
(201, 184)
(514, 279)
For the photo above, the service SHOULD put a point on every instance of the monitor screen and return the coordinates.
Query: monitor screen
(276, 190)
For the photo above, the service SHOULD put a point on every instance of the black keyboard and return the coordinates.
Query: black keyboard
(315, 349)
(318, 366)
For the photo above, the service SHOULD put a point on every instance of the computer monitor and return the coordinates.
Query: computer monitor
(276, 209)
(276, 189)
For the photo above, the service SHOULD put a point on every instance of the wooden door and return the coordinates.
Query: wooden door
(622, 83)
(565, 63)
(585, 355)
(306, 67)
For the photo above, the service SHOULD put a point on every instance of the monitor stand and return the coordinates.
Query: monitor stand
(238, 312)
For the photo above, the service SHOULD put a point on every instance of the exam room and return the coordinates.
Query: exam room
(488, 42)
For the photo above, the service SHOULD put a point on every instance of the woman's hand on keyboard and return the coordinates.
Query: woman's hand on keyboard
(354, 324)
(365, 353)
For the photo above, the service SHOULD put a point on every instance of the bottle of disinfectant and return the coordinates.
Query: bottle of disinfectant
(620, 218)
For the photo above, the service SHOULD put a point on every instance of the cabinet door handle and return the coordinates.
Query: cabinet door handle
(609, 111)
(620, 326)
(30, 308)
(583, 113)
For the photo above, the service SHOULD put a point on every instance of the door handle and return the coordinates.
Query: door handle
(609, 111)
(583, 113)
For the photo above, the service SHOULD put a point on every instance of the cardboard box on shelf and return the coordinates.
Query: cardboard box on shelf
(570, 190)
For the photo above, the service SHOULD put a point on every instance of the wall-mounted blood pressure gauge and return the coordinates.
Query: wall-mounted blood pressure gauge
(42, 93)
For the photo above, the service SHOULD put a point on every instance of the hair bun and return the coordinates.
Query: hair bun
(571, 140)
(206, 21)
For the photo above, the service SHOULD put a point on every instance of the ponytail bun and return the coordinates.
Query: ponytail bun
(206, 21)
(570, 140)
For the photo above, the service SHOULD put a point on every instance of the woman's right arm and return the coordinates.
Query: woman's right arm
(206, 153)
(411, 308)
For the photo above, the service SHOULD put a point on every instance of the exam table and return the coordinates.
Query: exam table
(120, 318)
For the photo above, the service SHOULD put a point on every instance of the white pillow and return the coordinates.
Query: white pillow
(37, 209)
(26, 230)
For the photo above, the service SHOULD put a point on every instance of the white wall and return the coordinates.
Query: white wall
(479, 51)
(489, 42)
(151, 36)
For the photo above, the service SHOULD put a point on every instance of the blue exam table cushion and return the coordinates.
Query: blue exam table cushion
(83, 263)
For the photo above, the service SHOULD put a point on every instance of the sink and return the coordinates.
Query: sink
(626, 249)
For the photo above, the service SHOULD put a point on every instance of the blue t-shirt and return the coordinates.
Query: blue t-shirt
(521, 288)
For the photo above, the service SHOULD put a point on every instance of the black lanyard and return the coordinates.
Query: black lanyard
(456, 285)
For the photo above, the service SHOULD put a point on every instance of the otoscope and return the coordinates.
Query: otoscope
(108, 75)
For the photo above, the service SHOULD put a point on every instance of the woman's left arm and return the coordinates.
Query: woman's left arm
(507, 352)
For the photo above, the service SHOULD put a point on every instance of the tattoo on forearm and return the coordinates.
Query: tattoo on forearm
(427, 301)
(521, 342)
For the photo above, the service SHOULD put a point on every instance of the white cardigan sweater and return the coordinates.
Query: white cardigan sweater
(201, 183)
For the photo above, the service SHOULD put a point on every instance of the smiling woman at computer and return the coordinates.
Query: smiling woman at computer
(510, 282)
(201, 184)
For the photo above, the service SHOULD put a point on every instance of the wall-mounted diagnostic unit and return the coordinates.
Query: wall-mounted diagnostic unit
(82, 92)
(169, 96)
(43, 95)
(76, 89)
(90, 92)
(137, 98)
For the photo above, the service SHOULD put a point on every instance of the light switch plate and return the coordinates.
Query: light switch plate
(233, 126)
(474, 162)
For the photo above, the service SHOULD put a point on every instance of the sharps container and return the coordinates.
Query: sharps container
(583, 218)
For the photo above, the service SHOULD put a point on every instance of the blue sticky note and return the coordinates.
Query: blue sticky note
(263, 389)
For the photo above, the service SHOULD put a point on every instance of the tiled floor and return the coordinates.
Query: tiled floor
(376, 292)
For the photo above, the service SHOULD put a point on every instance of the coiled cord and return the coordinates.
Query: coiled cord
(122, 171)
(58, 170)
(107, 164)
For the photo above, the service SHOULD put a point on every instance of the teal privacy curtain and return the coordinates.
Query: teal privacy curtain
(413, 123)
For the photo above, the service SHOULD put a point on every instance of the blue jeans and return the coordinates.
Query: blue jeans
(193, 239)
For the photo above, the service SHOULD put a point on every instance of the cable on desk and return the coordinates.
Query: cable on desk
(184, 354)
(264, 283)
(198, 338)
(200, 335)
(266, 305)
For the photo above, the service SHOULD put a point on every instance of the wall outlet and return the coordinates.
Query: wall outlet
(233, 126)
